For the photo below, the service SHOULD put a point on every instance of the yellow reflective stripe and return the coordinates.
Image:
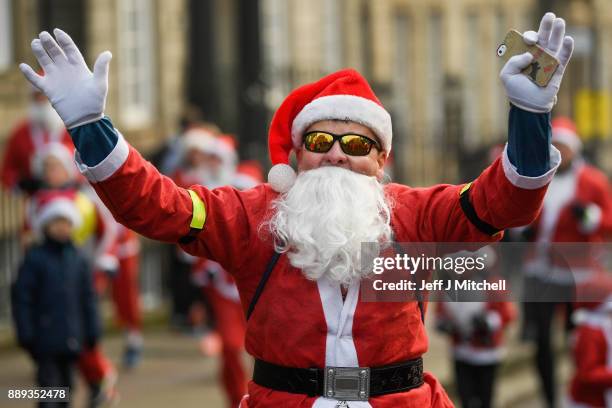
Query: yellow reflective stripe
(199, 211)
(465, 188)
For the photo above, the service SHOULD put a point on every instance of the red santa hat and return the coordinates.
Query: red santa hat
(58, 151)
(52, 204)
(564, 132)
(343, 95)
(200, 139)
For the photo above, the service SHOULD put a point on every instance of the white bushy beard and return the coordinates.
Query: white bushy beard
(325, 217)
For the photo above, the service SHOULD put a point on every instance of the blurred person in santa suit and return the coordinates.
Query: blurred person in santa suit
(293, 244)
(476, 330)
(219, 286)
(169, 156)
(591, 383)
(577, 208)
(200, 163)
(41, 127)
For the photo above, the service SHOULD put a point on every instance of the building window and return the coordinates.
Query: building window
(435, 79)
(333, 36)
(401, 73)
(471, 86)
(366, 39)
(500, 116)
(6, 35)
(276, 37)
(136, 63)
(400, 95)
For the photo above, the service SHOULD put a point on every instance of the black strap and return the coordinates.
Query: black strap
(419, 295)
(262, 283)
(270, 267)
(310, 381)
(190, 237)
(470, 213)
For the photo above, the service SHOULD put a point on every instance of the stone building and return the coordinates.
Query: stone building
(147, 38)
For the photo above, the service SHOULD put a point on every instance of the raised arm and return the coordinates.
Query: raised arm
(134, 191)
(508, 193)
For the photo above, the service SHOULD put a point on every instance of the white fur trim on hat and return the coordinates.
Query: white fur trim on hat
(58, 151)
(59, 207)
(206, 142)
(344, 107)
(281, 177)
(568, 138)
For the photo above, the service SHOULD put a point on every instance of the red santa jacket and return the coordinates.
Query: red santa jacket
(591, 385)
(581, 185)
(298, 322)
(470, 345)
(22, 144)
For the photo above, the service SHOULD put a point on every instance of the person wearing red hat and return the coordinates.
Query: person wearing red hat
(577, 208)
(43, 126)
(212, 160)
(591, 383)
(293, 244)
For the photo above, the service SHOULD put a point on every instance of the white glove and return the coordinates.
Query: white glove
(521, 91)
(77, 94)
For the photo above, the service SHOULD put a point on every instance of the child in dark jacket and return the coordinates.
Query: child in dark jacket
(54, 305)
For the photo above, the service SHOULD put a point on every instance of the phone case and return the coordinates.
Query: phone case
(543, 66)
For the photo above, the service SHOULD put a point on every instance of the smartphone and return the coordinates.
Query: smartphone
(543, 66)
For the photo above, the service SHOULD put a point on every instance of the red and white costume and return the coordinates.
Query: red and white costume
(591, 385)
(126, 291)
(469, 347)
(299, 322)
(327, 332)
(23, 143)
(583, 185)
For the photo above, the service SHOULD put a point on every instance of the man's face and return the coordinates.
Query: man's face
(567, 155)
(370, 165)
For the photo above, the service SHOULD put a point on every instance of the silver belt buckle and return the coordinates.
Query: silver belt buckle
(347, 383)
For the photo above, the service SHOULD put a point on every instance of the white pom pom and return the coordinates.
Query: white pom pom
(281, 177)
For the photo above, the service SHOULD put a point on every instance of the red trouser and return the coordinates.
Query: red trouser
(231, 327)
(126, 293)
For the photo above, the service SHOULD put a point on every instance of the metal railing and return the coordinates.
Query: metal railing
(11, 221)
(154, 262)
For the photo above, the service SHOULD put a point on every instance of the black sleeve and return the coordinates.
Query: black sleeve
(23, 298)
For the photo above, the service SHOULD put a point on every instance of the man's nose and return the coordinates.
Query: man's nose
(335, 155)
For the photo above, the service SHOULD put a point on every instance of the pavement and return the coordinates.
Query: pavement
(174, 373)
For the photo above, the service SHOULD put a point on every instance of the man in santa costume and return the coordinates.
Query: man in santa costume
(42, 126)
(591, 384)
(476, 330)
(293, 244)
(578, 209)
(213, 160)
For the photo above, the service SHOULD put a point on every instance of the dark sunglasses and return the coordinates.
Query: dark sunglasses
(350, 143)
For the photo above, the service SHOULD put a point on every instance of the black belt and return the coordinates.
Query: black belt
(344, 383)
